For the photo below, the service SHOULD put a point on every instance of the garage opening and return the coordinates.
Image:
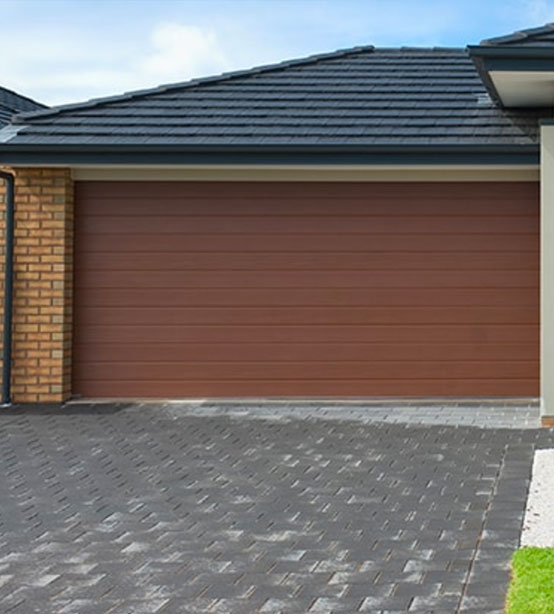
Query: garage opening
(235, 289)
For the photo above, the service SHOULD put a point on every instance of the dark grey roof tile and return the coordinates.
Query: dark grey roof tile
(362, 97)
(542, 36)
(12, 103)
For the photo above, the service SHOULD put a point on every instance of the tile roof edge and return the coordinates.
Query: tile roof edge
(519, 35)
(415, 48)
(94, 102)
(23, 97)
(9, 131)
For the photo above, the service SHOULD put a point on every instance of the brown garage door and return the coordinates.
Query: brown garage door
(306, 289)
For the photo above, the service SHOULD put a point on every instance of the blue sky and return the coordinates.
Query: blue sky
(61, 51)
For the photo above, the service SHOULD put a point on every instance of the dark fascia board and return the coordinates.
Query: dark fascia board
(513, 51)
(512, 58)
(537, 64)
(17, 155)
(483, 71)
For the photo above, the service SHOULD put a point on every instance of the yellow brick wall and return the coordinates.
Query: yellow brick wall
(43, 285)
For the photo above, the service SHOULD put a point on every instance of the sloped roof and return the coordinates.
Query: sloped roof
(361, 97)
(532, 37)
(12, 103)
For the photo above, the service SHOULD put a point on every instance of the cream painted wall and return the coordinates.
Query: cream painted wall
(310, 173)
(547, 270)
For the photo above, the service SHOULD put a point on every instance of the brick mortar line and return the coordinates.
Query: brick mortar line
(482, 530)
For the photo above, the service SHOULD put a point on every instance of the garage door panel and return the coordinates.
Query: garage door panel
(368, 260)
(311, 333)
(184, 242)
(176, 352)
(472, 191)
(163, 389)
(308, 315)
(393, 297)
(238, 289)
(276, 224)
(309, 370)
(443, 206)
(310, 279)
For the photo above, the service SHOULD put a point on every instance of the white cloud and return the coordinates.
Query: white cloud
(92, 49)
(68, 70)
(180, 52)
(539, 12)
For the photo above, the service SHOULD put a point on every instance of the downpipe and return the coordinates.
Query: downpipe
(8, 288)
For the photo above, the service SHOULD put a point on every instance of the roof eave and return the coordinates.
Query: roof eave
(520, 35)
(508, 58)
(513, 51)
(68, 155)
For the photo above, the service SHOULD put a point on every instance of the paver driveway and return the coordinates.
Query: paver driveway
(154, 509)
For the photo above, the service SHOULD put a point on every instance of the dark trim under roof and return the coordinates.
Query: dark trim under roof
(76, 155)
(510, 58)
(530, 50)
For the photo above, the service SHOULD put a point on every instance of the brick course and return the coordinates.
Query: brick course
(42, 284)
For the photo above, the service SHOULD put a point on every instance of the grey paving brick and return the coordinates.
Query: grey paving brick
(272, 508)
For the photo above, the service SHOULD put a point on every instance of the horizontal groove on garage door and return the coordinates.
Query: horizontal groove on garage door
(261, 289)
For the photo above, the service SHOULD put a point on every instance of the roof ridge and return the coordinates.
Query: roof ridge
(415, 48)
(227, 76)
(519, 35)
(21, 96)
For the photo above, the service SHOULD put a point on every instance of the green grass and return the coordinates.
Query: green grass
(532, 587)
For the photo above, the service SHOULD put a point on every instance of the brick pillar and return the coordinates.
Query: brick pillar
(43, 285)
